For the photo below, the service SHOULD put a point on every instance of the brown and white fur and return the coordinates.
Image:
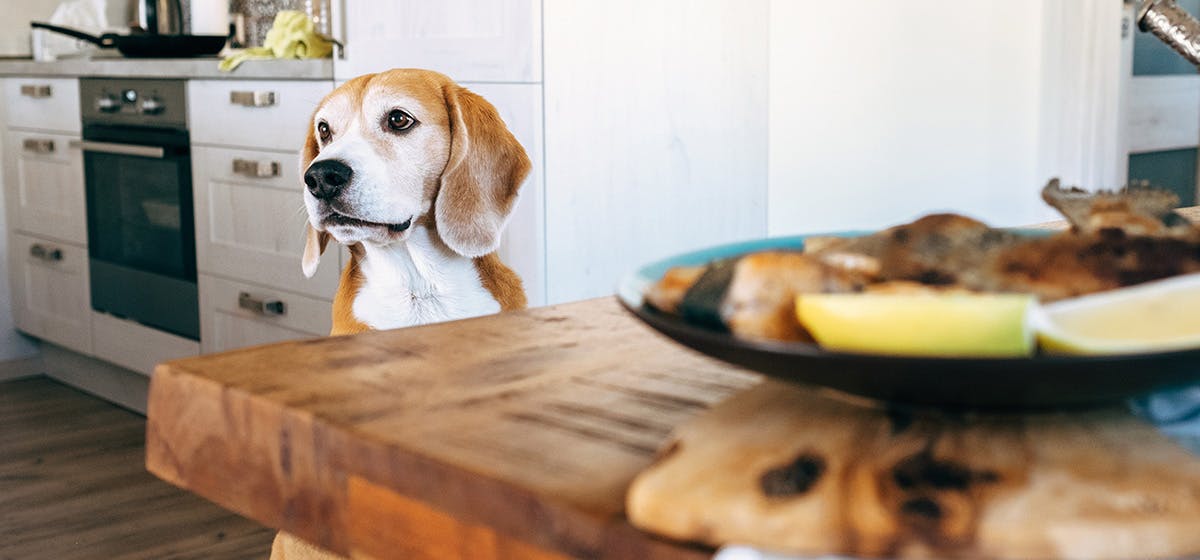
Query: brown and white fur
(422, 208)
(453, 176)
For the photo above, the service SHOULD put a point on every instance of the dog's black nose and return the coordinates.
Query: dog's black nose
(326, 178)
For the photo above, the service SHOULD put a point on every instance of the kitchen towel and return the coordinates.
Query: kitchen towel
(293, 35)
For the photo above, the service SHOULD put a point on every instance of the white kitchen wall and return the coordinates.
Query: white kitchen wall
(881, 111)
(14, 26)
(656, 133)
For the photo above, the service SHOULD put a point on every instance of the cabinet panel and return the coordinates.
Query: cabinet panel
(44, 179)
(225, 324)
(43, 103)
(270, 115)
(250, 225)
(137, 347)
(656, 137)
(523, 245)
(50, 291)
(468, 40)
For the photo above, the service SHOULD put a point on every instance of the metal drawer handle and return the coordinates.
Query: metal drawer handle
(38, 145)
(255, 168)
(262, 307)
(155, 152)
(36, 92)
(252, 98)
(40, 252)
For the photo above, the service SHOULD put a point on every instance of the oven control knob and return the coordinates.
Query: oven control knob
(151, 106)
(108, 103)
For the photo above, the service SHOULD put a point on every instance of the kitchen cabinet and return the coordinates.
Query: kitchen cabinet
(468, 40)
(250, 220)
(44, 179)
(258, 114)
(235, 314)
(50, 291)
(43, 103)
(250, 217)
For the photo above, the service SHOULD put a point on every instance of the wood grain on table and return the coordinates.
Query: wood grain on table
(511, 431)
(509, 436)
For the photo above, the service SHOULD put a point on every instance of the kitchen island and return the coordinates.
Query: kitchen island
(401, 444)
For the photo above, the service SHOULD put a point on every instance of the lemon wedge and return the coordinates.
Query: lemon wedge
(923, 324)
(1152, 317)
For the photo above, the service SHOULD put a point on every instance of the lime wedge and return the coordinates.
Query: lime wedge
(1152, 317)
(940, 325)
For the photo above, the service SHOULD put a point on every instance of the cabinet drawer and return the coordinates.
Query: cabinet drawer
(227, 320)
(44, 179)
(271, 115)
(51, 298)
(250, 220)
(42, 103)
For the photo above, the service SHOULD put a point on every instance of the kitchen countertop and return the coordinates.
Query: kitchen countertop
(195, 68)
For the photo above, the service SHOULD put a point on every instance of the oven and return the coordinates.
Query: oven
(138, 176)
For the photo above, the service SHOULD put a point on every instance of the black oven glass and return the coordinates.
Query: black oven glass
(141, 239)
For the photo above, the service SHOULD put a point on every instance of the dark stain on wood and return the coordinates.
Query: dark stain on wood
(794, 478)
(586, 431)
(285, 452)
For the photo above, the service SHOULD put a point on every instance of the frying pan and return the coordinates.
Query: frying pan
(146, 45)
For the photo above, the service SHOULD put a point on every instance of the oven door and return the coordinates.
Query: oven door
(141, 239)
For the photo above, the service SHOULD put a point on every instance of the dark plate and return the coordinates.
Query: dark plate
(989, 383)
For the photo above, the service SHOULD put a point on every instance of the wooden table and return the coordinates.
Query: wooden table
(510, 436)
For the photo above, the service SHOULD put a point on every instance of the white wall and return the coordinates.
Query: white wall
(14, 25)
(656, 130)
(881, 111)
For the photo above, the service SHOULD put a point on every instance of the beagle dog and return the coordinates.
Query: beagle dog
(418, 177)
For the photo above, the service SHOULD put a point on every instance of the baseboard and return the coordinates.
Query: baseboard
(107, 381)
(25, 367)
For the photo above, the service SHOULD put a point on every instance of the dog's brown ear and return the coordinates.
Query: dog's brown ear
(314, 244)
(314, 241)
(479, 186)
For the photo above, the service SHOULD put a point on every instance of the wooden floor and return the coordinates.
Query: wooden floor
(73, 486)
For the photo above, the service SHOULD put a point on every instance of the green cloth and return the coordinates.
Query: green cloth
(291, 36)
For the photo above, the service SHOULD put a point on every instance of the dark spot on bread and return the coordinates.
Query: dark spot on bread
(922, 470)
(794, 478)
(922, 507)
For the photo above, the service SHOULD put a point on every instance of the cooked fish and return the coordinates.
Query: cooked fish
(1137, 209)
(1116, 239)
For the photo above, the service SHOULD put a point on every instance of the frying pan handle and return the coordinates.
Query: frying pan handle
(71, 32)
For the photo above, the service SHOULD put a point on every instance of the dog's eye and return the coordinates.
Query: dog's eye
(398, 120)
(323, 131)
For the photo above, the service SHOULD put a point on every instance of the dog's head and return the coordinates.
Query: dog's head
(390, 151)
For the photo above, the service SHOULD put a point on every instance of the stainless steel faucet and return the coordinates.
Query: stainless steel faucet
(1174, 25)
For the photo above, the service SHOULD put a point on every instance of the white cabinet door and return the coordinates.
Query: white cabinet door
(50, 291)
(468, 40)
(257, 114)
(523, 246)
(43, 175)
(250, 220)
(43, 103)
(237, 314)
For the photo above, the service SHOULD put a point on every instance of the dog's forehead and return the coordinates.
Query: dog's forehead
(416, 93)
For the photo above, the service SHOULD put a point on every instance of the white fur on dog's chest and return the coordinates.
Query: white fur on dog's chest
(417, 282)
